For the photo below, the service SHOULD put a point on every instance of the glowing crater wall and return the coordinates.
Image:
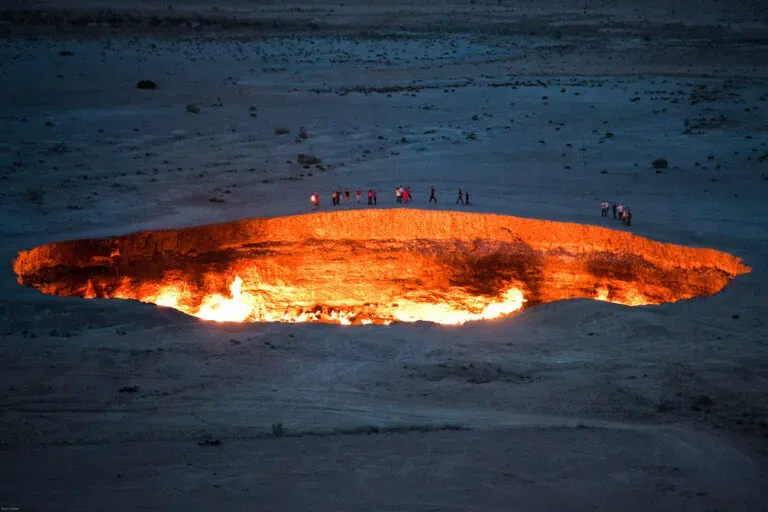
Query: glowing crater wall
(376, 266)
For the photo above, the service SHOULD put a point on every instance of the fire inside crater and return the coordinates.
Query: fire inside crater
(376, 266)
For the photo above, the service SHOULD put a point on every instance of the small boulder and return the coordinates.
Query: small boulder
(193, 108)
(660, 163)
(146, 84)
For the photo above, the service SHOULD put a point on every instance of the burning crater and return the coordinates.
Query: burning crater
(376, 266)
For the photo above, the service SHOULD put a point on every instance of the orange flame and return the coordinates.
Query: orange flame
(244, 306)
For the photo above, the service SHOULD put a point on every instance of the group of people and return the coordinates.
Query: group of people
(338, 195)
(621, 212)
(403, 195)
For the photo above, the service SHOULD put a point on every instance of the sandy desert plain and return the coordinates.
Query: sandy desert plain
(572, 405)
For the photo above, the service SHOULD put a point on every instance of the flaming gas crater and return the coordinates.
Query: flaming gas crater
(375, 266)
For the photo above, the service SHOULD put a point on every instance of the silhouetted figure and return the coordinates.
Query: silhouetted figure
(374, 198)
(358, 194)
(432, 194)
(370, 197)
(346, 194)
(466, 198)
(604, 209)
(315, 200)
(460, 199)
(628, 216)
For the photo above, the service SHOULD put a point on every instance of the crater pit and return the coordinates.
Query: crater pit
(376, 266)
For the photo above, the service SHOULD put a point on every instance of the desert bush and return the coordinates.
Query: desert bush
(278, 430)
(35, 195)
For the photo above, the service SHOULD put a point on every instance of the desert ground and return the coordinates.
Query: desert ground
(540, 110)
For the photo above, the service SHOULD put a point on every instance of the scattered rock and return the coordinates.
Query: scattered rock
(193, 108)
(699, 125)
(303, 133)
(660, 163)
(308, 159)
(735, 316)
(65, 53)
(217, 200)
(282, 131)
(209, 442)
(128, 389)
(146, 84)
(703, 93)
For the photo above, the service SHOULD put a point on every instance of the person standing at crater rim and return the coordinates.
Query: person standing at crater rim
(466, 198)
(460, 199)
(613, 205)
(432, 194)
(358, 194)
(370, 197)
